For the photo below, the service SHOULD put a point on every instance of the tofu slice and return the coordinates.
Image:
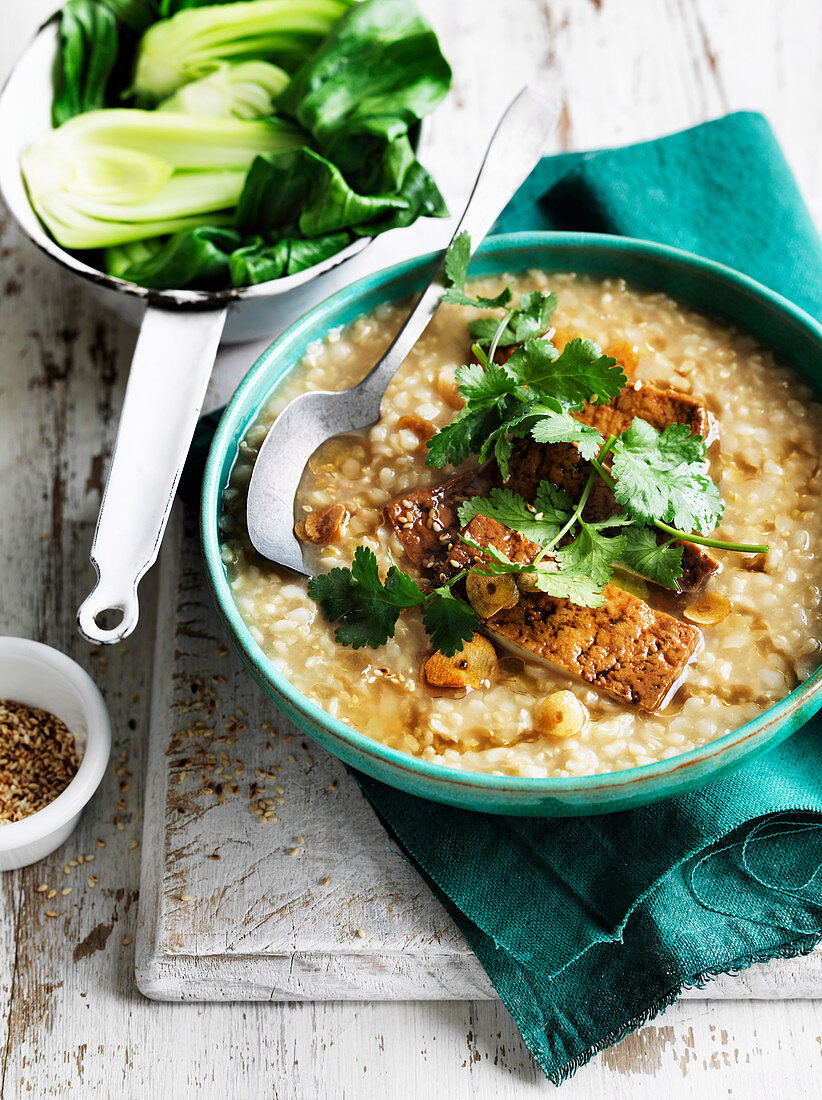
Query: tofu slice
(625, 648)
(426, 521)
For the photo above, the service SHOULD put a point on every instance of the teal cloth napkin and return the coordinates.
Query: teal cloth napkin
(589, 926)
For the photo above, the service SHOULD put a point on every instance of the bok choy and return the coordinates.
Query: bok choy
(267, 136)
(192, 42)
(236, 89)
(108, 177)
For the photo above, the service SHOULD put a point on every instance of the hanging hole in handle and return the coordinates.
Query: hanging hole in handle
(110, 618)
(106, 622)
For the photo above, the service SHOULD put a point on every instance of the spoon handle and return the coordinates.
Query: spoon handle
(515, 148)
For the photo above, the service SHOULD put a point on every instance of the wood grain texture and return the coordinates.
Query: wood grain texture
(73, 1022)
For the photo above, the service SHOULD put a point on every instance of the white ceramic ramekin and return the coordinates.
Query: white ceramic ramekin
(40, 676)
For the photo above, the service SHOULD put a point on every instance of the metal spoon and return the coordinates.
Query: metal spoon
(312, 418)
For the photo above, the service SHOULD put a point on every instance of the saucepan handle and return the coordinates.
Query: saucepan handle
(169, 375)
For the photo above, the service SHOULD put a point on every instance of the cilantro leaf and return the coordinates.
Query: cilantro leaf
(456, 260)
(662, 476)
(563, 428)
(456, 273)
(530, 319)
(401, 590)
(591, 554)
(364, 619)
(540, 523)
(568, 582)
(448, 621)
(367, 609)
(533, 316)
(464, 436)
(578, 374)
(659, 562)
(484, 385)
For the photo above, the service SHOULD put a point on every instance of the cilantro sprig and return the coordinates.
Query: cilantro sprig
(367, 609)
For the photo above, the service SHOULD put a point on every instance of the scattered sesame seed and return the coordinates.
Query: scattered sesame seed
(326, 880)
(41, 889)
(66, 891)
(126, 941)
(92, 880)
(294, 852)
(100, 843)
(52, 893)
(134, 844)
(301, 840)
(186, 897)
(51, 913)
(361, 933)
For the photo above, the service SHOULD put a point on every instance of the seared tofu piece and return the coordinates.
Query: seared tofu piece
(625, 648)
(660, 407)
(426, 520)
(562, 464)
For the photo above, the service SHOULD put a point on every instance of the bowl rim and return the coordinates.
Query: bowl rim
(235, 418)
(72, 799)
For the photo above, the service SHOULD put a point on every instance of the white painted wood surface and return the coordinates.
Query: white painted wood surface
(71, 1019)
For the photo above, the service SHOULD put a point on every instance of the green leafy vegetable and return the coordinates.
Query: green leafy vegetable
(375, 75)
(187, 46)
(531, 319)
(194, 257)
(456, 274)
(301, 188)
(367, 609)
(448, 621)
(86, 55)
(592, 553)
(235, 89)
(112, 176)
(662, 476)
(659, 562)
(540, 522)
(579, 374)
(561, 427)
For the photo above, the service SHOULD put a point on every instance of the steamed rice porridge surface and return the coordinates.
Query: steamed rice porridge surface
(768, 470)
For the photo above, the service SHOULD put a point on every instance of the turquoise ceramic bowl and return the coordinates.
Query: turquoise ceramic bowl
(707, 286)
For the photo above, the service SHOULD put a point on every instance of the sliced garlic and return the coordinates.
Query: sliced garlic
(709, 610)
(488, 595)
(474, 666)
(323, 526)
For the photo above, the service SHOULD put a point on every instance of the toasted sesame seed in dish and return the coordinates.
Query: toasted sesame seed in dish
(38, 759)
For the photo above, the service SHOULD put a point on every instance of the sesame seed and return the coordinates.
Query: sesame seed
(361, 933)
(41, 889)
(326, 880)
(52, 893)
(92, 880)
(66, 891)
(134, 844)
(126, 941)
(186, 897)
(51, 913)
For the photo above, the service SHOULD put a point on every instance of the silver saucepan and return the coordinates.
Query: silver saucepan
(180, 331)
